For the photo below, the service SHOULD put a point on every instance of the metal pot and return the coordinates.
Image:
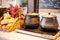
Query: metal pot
(32, 21)
(49, 22)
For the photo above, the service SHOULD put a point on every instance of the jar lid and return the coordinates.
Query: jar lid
(33, 14)
(49, 15)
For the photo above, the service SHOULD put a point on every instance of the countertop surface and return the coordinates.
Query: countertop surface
(17, 36)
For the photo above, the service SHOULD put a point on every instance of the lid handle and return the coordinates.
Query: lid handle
(49, 13)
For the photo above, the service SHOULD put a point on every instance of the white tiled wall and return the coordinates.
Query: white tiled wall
(57, 14)
(5, 3)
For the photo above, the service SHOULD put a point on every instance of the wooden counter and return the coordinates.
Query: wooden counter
(2, 11)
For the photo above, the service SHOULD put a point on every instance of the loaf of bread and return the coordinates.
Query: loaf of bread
(57, 36)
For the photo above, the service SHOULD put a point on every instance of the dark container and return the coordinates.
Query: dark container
(49, 23)
(32, 21)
